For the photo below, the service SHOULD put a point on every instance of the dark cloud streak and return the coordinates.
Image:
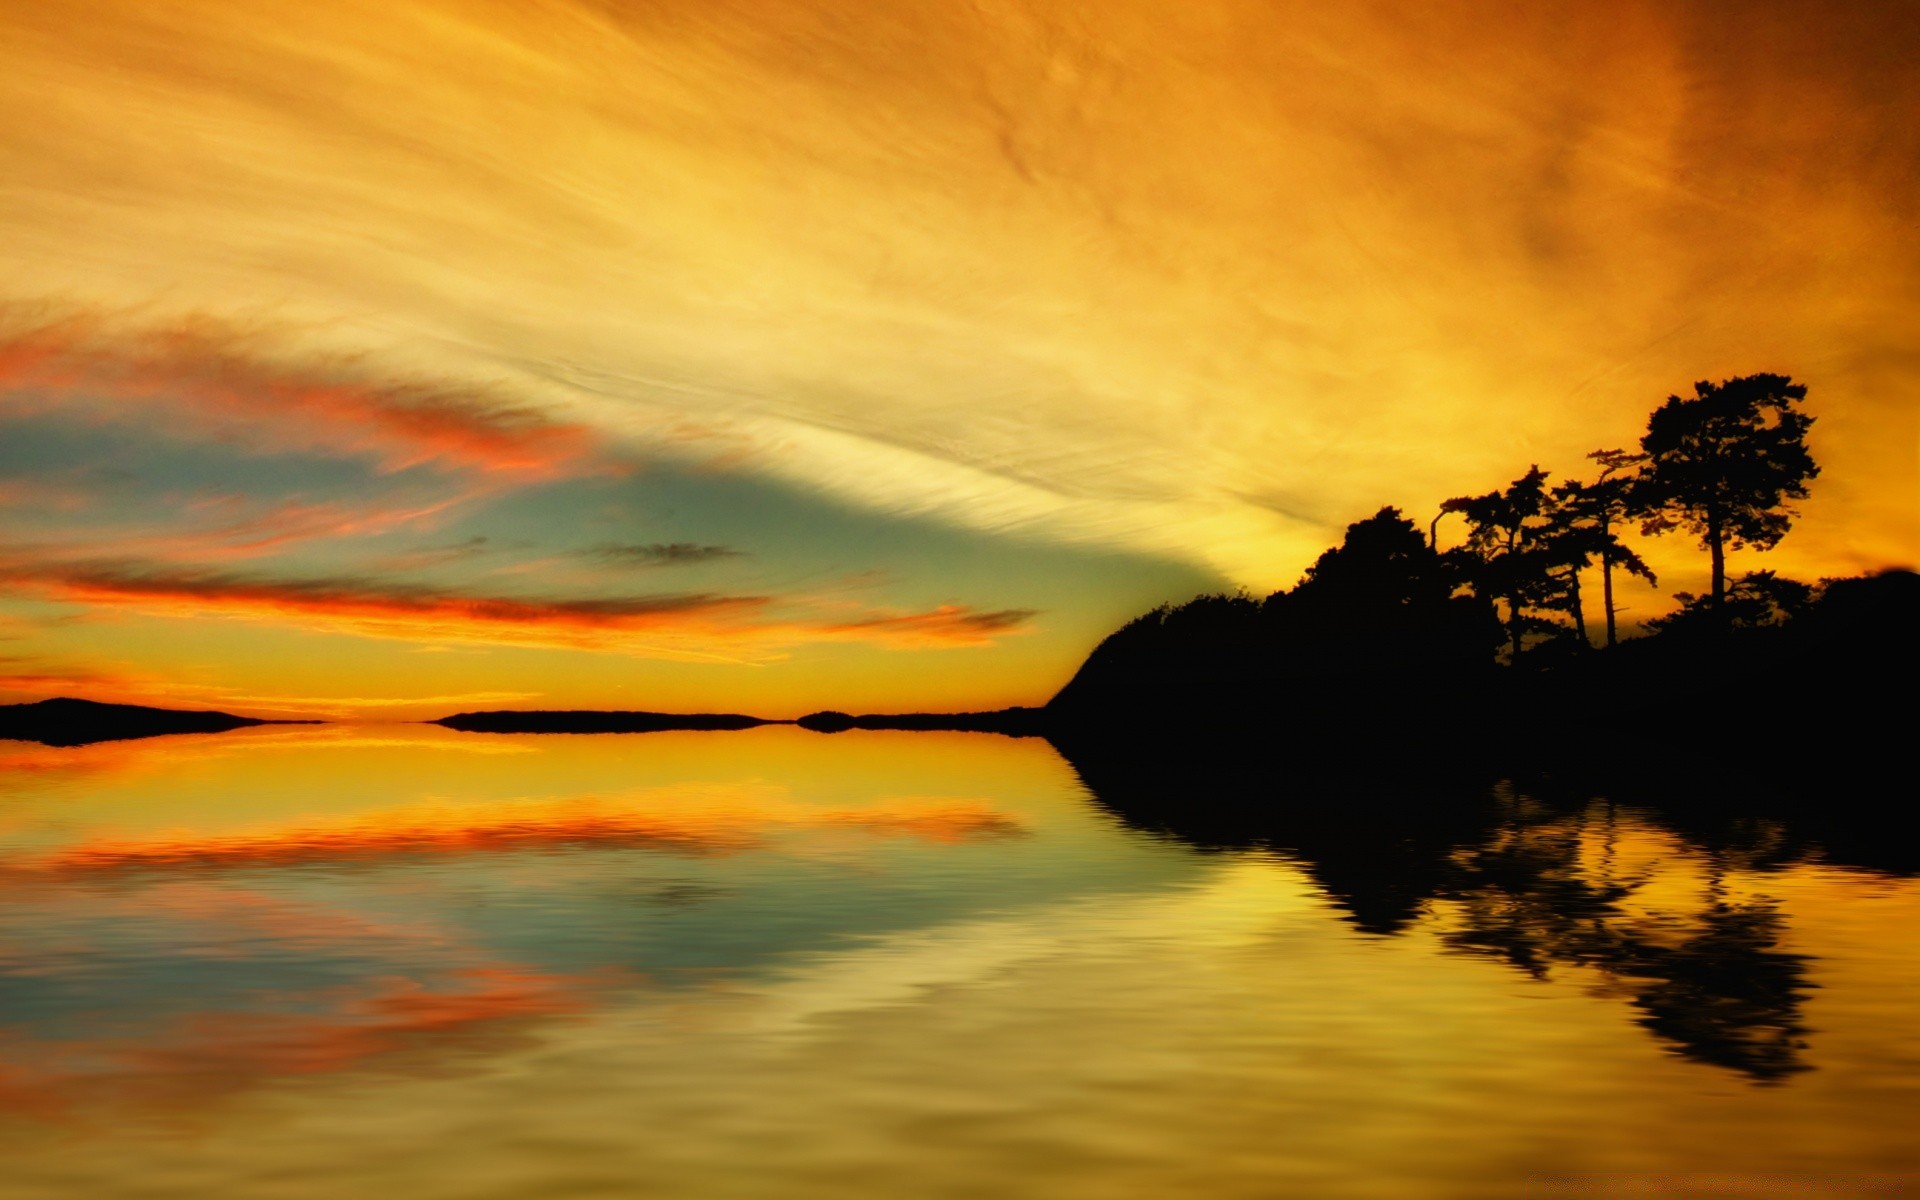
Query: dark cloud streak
(657, 554)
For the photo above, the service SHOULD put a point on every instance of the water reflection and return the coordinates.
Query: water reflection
(286, 902)
(410, 961)
(1539, 885)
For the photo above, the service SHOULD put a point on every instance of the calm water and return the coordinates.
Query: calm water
(400, 961)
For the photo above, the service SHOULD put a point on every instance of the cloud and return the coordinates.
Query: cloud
(435, 556)
(657, 554)
(368, 605)
(946, 625)
(205, 379)
(693, 625)
(1091, 273)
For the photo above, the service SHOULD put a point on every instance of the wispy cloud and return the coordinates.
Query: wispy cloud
(369, 605)
(207, 379)
(946, 625)
(662, 624)
(657, 554)
(436, 556)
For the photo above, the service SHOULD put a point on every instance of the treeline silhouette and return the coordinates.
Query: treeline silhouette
(1389, 643)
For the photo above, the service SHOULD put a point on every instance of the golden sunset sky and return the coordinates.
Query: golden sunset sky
(767, 355)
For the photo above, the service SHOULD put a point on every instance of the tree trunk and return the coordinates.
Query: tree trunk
(1513, 627)
(1579, 613)
(1606, 595)
(1717, 548)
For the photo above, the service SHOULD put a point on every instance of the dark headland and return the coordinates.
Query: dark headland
(64, 721)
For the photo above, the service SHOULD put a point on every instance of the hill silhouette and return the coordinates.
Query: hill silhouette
(1378, 651)
(1373, 632)
(64, 721)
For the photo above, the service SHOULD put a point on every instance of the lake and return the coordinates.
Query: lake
(362, 961)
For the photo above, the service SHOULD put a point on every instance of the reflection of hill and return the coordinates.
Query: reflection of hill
(67, 722)
(1530, 882)
(1377, 843)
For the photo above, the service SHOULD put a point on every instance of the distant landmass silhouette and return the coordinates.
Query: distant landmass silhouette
(594, 721)
(1014, 722)
(64, 721)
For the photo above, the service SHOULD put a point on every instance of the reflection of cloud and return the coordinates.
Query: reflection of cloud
(322, 845)
(946, 823)
(463, 1010)
(465, 830)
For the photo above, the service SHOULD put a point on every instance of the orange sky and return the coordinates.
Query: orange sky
(774, 354)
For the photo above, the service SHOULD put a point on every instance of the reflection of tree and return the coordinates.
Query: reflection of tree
(1712, 983)
(1728, 995)
(1530, 883)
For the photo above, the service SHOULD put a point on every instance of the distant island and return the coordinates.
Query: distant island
(592, 721)
(64, 721)
(1018, 722)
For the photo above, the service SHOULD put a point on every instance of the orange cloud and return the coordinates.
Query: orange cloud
(233, 532)
(946, 625)
(368, 606)
(205, 372)
(421, 613)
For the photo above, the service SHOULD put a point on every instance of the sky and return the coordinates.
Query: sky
(392, 359)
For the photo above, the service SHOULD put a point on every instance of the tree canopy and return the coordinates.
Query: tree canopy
(1723, 464)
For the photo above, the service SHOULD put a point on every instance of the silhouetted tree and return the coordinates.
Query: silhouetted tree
(1723, 463)
(1503, 547)
(1374, 619)
(1578, 530)
(1614, 498)
(1382, 602)
(1756, 600)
